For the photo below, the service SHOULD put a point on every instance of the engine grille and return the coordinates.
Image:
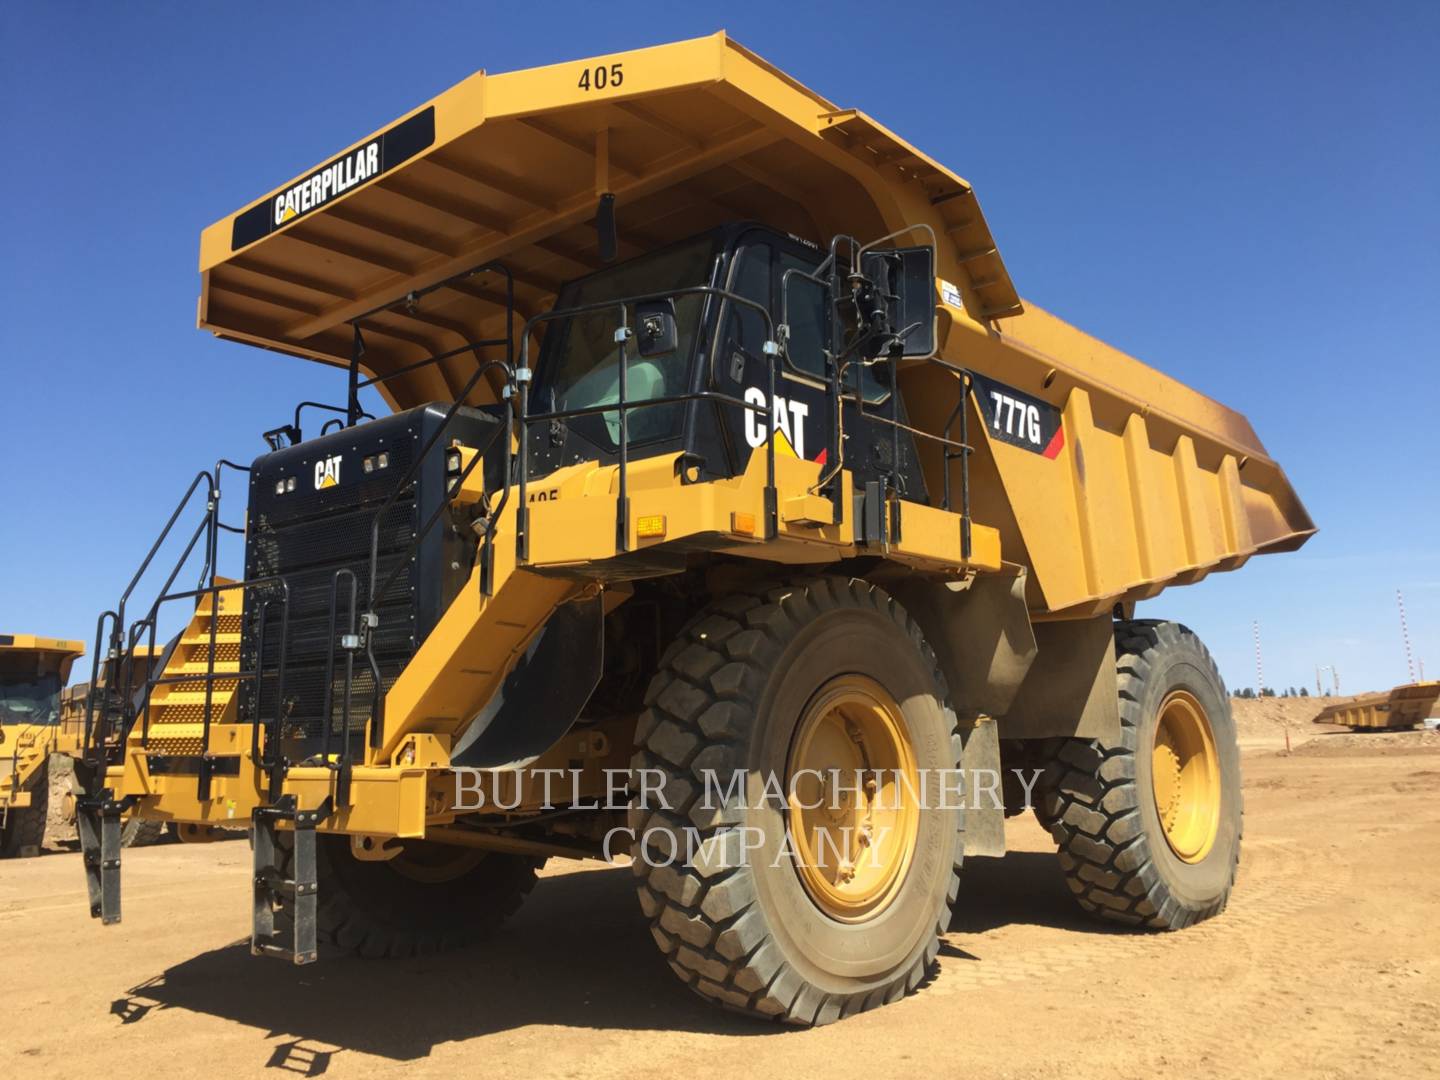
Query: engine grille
(306, 541)
(312, 507)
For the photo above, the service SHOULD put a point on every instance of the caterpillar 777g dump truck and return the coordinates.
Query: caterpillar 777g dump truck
(730, 489)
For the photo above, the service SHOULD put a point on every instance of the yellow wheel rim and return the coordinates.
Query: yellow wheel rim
(1185, 776)
(854, 798)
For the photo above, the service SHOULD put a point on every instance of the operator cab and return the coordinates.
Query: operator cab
(32, 673)
(706, 343)
(29, 688)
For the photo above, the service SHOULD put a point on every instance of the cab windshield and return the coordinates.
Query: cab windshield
(580, 361)
(25, 697)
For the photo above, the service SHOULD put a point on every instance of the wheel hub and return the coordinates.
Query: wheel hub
(435, 864)
(1185, 776)
(854, 791)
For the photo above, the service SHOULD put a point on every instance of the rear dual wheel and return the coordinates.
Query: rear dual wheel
(1148, 824)
(140, 832)
(819, 886)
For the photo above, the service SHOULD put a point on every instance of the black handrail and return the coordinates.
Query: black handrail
(410, 300)
(226, 464)
(275, 764)
(123, 640)
(328, 712)
(118, 627)
(961, 450)
(370, 619)
(100, 638)
(376, 592)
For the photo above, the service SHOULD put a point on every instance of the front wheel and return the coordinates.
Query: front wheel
(1149, 825)
(430, 898)
(23, 833)
(785, 852)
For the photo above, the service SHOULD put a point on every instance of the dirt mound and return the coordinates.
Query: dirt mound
(1262, 716)
(1369, 744)
(59, 825)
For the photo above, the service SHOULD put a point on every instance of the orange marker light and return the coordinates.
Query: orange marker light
(744, 524)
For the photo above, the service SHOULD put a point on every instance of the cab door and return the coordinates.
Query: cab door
(800, 413)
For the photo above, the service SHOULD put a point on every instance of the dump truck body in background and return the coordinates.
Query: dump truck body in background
(721, 441)
(1395, 710)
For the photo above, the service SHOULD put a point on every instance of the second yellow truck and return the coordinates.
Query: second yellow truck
(33, 670)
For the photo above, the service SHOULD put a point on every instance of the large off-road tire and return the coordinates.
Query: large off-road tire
(431, 898)
(769, 683)
(139, 832)
(23, 834)
(1149, 827)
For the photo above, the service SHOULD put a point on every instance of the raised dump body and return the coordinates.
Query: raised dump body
(1395, 710)
(727, 478)
(1150, 484)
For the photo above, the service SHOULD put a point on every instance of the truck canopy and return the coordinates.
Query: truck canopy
(509, 167)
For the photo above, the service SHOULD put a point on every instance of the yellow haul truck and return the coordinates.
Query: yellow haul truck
(41, 730)
(32, 672)
(730, 486)
(74, 701)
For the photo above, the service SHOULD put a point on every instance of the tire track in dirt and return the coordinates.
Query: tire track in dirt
(1273, 886)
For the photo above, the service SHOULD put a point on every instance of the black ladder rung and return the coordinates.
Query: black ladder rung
(97, 821)
(282, 953)
(271, 885)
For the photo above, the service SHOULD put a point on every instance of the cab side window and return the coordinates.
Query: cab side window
(805, 308)
(742, 348)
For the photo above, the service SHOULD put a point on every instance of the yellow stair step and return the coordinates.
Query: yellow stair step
(202, 639)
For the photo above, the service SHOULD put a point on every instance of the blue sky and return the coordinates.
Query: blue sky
(1242, 195)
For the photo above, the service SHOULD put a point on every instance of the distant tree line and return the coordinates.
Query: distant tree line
(1269, 691)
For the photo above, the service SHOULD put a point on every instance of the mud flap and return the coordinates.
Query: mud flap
(984, 809)
(543, 694)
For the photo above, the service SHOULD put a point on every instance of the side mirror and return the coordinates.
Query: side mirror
(904, 280)
(655, 330)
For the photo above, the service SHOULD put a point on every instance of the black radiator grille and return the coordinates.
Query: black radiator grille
(305, 542)
(312, 507)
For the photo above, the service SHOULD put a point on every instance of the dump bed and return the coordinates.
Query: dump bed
(1403, 707)
(1147, 484)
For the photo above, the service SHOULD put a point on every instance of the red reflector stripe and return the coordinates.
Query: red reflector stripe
(1057, 443)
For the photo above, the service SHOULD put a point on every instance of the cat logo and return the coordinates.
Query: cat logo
(788, 421)
(327, 472)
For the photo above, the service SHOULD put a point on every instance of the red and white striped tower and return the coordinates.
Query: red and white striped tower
(1405, 636)
(1259, 670)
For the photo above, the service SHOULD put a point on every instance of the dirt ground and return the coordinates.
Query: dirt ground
(1327, 964)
